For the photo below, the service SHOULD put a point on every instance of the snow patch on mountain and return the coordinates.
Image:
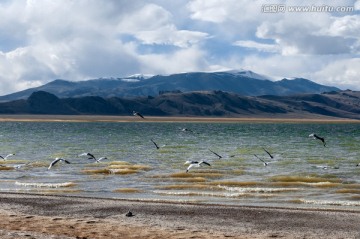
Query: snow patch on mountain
(139, 76)
(249, 74)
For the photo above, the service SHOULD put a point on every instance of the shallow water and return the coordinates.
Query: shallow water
(303, 173)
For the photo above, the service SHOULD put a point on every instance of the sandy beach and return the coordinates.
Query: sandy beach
(45, 216)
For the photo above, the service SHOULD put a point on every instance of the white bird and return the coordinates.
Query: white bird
(18, 166)
(57, 160)
(196, 164)
(98, 160)
(265, 163)
(319, 138)
(186, 130)
(322, 166)
(138, 114)
(4, 158)
(91, 156)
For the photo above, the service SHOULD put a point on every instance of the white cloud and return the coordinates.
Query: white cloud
(184, 60)
(78, 40)
(357, 5)
(342, 73)
(18, 63)
(332, 70)
(220, 11)
(42, 40)
(149, 17)
(152, 24)
(346, 26)
(305, 36)
(258, 46)
(170, 36)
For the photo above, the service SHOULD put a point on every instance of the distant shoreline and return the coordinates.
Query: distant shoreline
(185, 119)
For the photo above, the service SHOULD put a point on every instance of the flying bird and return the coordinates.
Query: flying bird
(157, 147)
(268, 153)
(99, 159)
(319, 138)
(56, 161)
(322, 166)
(91, 156)
(265, 163)
(18, 166)
(215, 154)
(4, 158)
(138, 114)
(186, 130)
(196, 164)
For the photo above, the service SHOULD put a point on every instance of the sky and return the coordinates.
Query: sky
(44, 40)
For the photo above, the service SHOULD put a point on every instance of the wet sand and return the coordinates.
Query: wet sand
(41, 216)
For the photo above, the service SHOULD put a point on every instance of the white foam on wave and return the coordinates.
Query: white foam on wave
(331, 203)
(257, 189)
(211, 194)
(45, 185)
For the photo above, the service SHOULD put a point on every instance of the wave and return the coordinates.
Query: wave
(134, 167)
(212, 194)
(127, 190)
(235, 183)
(119, 168)
(348, 190)
(304, 179)
(328, 202)
(205, 174)
(258, 190)
(46, 185)
(305, 184)
(110, 171)
(188, 186)
(190, 180)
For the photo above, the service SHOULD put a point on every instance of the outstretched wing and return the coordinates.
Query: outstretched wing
(215, 154)
(157, 147)
(204, 162)
(138, 114)
(54, 162)
(268, 153)
(191, 165)
(100, 159)
(265, 163)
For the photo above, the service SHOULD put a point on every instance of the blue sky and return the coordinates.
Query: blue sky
(43, 40)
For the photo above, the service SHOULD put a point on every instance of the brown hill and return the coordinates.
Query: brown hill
(342, 104)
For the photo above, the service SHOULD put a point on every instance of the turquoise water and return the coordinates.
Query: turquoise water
(302, 173)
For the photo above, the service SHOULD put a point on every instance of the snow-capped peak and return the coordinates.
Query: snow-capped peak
(139, 76)
(247, 73)
(136, 77)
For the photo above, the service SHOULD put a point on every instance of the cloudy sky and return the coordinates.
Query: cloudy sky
(43, 40)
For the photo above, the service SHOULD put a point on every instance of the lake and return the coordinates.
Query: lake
(302, 172)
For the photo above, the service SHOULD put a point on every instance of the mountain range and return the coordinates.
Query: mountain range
(245, 83)
(343, 104)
